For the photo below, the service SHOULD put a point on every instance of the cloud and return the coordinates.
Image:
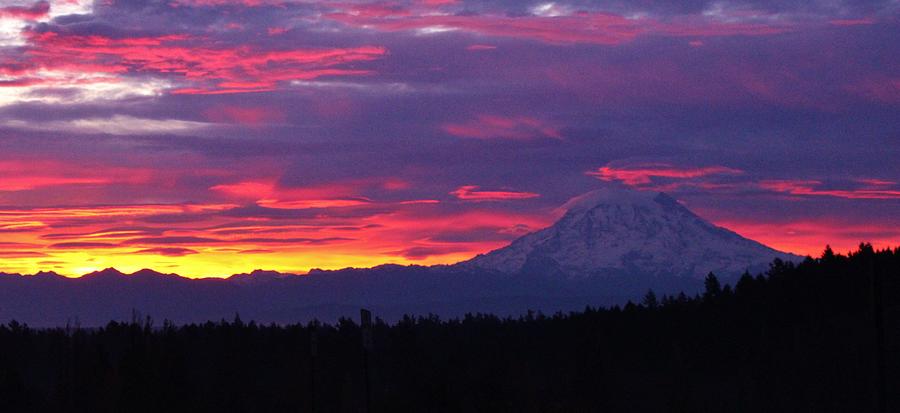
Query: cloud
(52, 86)
(474, 193)
(31, 174)
(166, 252)
(177, 63)
(873, 189)
(809, 236)
(21, 254)
(180, 240)
(667, 177)
(423, 252)
(115, 125)
(20, 226)
(502, 127)
(34, 12)
(647, 174)
(191, 240)
(81, 245)
(597, 28)
(243, 115)
(107, 233)
(357, 118)
(560, 24)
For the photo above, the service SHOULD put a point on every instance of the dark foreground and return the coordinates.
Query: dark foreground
(822, 336)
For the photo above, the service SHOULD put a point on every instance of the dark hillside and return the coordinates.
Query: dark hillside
(819, 336)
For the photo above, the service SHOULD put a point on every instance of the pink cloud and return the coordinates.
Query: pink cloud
(244, 115)
(437, 2)
(809, 236)
(852, 22)
(643, 174)
(208, 68)
(597, 28)
(474, 193)
(878, 190)
(215, 3)
(33, 174)
(477, 47)
(21, 254)
(166, 251)
(577, 27)
(493, 126)
(36, 11)
(275, 31)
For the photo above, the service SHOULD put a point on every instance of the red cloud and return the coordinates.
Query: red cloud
(643, 174)
(214, 3)
(578, 27)
(598, 28)
(208, 68)
(21, 254)
(438, 2)
(648, 174)
(852, 22)
(267, 193)
(34, 12)
(33, 174)
(476, 47)
(808, 237)
(373, 10)
(166, 252)
(473, 193)
(81, 245)
(244, 115)
(876, 189)
(492, 126)
(275, 31)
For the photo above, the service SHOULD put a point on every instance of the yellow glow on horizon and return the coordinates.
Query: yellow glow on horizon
(75, 241)
(212, 264)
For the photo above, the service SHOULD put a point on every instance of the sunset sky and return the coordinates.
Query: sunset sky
(210, 137)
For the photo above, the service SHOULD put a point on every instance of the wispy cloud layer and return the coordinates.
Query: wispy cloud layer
(209, 137)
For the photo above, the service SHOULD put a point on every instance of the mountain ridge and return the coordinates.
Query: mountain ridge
(540, 279)
(521, 251)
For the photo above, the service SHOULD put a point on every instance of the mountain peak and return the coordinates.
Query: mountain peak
(105, 273)
(622, 232)
(258, 276)
(611, 196)
(152, 274)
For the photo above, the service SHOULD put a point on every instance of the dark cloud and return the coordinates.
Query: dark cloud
(167, 252)
(81, 245)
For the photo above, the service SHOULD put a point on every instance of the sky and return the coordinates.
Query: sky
(211, 137)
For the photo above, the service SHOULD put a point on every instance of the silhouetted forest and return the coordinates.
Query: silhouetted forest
(819, 336)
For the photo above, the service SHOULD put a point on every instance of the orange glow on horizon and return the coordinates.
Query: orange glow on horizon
(201, 240)
(810, 237)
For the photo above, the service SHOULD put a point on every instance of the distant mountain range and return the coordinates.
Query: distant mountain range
(609, 247)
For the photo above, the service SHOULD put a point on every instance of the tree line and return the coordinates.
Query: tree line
(822, 335)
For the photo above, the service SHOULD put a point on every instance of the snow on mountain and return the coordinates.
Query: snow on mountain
(621, 232)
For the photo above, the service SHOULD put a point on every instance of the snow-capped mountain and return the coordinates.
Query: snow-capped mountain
(621, 232)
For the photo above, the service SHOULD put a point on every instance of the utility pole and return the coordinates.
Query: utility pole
(366, 325)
